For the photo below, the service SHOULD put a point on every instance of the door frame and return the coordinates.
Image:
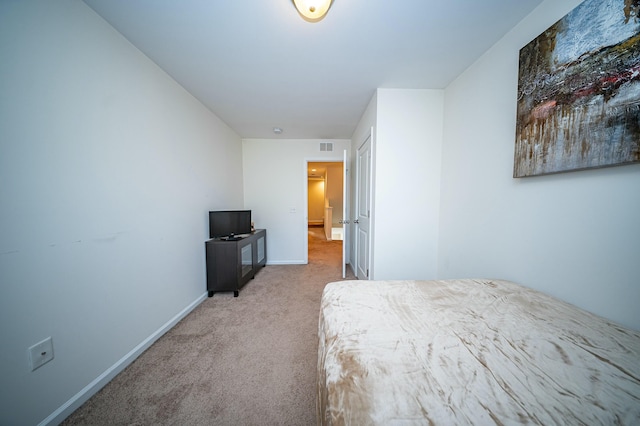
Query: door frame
(306, 203)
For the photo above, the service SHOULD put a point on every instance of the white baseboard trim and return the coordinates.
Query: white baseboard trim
(99, 382)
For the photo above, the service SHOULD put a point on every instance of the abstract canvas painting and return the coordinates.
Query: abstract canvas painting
(579, 91)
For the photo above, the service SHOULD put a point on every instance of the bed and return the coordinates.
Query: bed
(470, 352)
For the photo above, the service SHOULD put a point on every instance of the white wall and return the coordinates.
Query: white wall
(407, 183)
(574, 235)
(275, 189)
(315, 206)
(107, 171)
(334, 190)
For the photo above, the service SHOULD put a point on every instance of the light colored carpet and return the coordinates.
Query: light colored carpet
(249, 360)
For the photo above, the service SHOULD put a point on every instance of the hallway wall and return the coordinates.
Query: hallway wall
(315, 204)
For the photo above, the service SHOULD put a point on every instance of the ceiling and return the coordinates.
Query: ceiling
(318, 170)
(258, 65)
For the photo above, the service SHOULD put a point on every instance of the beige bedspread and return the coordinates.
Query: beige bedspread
(470, 352)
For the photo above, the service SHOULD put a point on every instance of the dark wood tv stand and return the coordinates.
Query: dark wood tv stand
(231, 264)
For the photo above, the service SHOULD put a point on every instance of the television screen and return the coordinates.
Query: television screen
(227, 222)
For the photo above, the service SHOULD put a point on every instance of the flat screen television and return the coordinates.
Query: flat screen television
(227, 223)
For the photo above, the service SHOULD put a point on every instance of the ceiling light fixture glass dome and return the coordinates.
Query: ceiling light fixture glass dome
(312, 10)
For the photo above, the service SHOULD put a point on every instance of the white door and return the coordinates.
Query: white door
(363, 209)
(345, 212)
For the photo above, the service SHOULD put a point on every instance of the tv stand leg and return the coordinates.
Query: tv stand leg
(210, 294)
(235, 293)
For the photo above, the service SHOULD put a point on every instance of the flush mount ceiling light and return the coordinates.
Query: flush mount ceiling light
(312, 10)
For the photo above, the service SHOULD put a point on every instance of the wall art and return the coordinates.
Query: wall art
(579, 91)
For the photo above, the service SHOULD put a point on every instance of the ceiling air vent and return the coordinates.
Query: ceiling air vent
(326, 146)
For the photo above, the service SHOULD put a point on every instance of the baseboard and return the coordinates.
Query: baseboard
(99, 382)
(286, 262)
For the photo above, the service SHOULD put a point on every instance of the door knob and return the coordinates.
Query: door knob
(356, 221)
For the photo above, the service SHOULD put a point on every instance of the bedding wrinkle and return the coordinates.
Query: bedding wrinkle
(449, 352)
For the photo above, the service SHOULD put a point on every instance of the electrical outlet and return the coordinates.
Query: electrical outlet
(40, 353)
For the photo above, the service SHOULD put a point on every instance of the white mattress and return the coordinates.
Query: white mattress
(470, 352)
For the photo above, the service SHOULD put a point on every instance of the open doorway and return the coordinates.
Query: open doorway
(325, 198)
(325, 209)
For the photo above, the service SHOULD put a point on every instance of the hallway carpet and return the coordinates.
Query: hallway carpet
(249, 360)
